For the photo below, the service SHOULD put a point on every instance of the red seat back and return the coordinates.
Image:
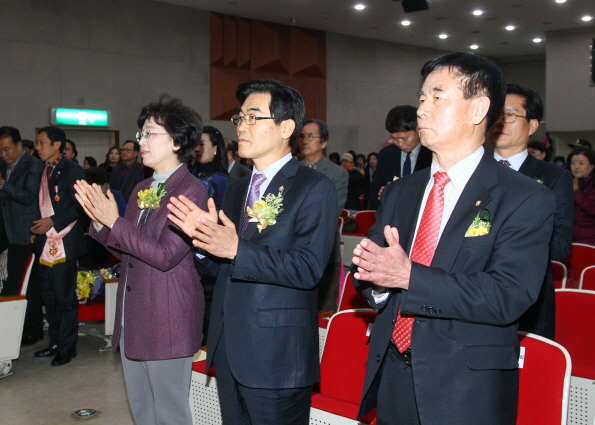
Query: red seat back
(588, 279)
(544, 381)
(581, 257)
(350, 298)
(365, 220)
(575, 330)
(560, 274)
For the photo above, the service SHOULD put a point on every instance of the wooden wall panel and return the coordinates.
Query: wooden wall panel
(243, 44)
(216, 22)
(224, 82)
(230, 42)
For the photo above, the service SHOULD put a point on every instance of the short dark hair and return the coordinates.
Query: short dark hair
(181, 122)
(12, 132)
(231, 145)
(401, 118)
(55, 134)
(219, 163)
(28, 143)
(540, 146)
(96, 175)
(136, 145)
(91, 161)
(370, 155)
(74, 151)
(582, 151)
(335, 156)
(286, 102)
(477, 75)
(322, 128)
(532, 103)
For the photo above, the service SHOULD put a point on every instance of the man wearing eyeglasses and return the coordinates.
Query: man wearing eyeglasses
(128, 174)
(510, 135)
(263, 335)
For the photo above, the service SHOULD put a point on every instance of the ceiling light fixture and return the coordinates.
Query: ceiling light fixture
(405, 23)
(478, 12)
(509, 27)
(474, 46)
(443, 36)
(537, 40)
(359, 6)
(587, 18)
(560, 1)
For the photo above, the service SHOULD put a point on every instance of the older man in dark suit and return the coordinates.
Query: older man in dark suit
(59, 243)
(457, 254)
(129, 173)
(263, 335)
(404, 156)
(520, 119)
(20, 174)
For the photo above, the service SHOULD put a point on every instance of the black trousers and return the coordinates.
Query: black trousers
(58, 292)
(241, 405)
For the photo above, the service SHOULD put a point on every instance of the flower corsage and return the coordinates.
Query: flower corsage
(265, 211)
(151, 198)
(480, 226)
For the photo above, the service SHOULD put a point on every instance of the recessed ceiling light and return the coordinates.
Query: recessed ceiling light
(474, 46)
(509, 27)
(359, 6)
(478, 12)
(443, 36)
(587, 18)
(560, 1)
(537, 40)
(405, 23)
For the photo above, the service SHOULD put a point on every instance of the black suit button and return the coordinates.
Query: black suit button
(424, 308)
(378, 358)
(128, 288)
(430, 309)
(437, 311)
(394, 321)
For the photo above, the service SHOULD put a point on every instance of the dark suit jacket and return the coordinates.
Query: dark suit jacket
(389, 166)
(541, 317)
(19, 198)
(164, 304)
(66, 209)
(238, 171)
(465, 345)
(265, 305)
(133, 177)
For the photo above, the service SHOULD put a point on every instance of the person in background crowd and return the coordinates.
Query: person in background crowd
(313, 141)
(560, 161)
(404, 156)
(335, 157)
(519, 120)
(234, 168)
(211, 164)
(112, 159)
(29, 146)
(581, 162)
(355, 186)
(70, 152)
(160, 303)
(372, 164)
(580, 143)
(89, 162)
(247, 162)
(129, 173)
(59, 243)
(538, 150)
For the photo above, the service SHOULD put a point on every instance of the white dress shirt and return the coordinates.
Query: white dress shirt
(515, 161)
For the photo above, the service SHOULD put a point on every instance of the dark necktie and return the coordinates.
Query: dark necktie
(254, 195)
(48, 171)
(407, 165)
(505, 162)
(423, 250)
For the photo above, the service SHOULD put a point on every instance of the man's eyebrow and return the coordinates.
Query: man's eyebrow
(433, 89)
(510, 108)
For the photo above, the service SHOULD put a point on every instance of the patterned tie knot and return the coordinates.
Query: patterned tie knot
(505, 162)
(257, 180)
(441, 179)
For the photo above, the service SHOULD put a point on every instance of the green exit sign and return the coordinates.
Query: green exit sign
(88, 117)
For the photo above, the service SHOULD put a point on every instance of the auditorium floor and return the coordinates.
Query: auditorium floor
(43, 395)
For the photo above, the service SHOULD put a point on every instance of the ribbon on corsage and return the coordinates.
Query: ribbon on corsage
(265, 211)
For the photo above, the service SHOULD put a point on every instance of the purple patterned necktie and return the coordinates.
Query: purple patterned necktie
(254, 195)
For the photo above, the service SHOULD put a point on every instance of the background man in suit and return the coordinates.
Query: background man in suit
(522, 113)
(59, 243)
(313, 140)
(449, 285)
(235, 169)
(128, 174)
(263, 331)
(404, 156)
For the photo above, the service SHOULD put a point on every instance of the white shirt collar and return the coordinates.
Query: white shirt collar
(515, 161)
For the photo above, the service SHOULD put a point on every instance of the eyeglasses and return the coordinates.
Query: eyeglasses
(509, 117)
(309, 137)
(248, 119)
(146, 134)
(126, 150)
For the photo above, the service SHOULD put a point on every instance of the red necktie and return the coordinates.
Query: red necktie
(505, 162)
(423, 250)
(254, 195)
(48, 171)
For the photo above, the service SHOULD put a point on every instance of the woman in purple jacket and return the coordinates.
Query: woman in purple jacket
(160, 304)
(581, 162)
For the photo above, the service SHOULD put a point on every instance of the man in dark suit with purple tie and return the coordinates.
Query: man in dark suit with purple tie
(263, 335)
(457, 254)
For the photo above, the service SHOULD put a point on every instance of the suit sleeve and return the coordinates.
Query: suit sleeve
(342, 183)
(302, 265)
(511, 280)
(29, 193)
(563, 219)
(72, 210)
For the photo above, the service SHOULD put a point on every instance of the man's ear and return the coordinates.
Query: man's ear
(533, 126)
(287, 128)
(480, 109)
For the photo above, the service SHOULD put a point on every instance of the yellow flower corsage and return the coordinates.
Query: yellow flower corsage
(265, 211)
(151, 198)
(480, 225)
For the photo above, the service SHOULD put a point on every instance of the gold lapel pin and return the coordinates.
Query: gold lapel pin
(478, 203)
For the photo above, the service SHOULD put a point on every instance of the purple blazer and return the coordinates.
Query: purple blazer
(164, 305)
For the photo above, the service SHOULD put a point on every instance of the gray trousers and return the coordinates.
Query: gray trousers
(158, 390)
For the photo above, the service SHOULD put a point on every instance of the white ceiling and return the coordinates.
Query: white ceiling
(381, 20)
